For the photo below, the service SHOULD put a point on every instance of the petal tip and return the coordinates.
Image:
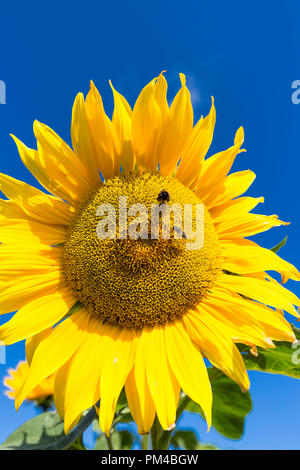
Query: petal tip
(182, 79)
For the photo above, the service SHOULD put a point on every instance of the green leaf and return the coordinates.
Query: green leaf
(39, 433)
(126, 439)
(123, 416)
(206, 447)
(121, 440)
(279, 245)
(77, 444)
(100, 443)
(188, 440)
(230, 405)
(284, 359)
(122, 401)
(74, 309)
(184, 440)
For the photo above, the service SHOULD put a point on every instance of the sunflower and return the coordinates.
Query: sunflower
(15, 380)
(103, 314)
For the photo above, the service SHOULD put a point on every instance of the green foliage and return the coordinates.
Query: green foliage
(230, 405)
(188, 440)
(120, 440)
(74, 309)
(123, 414)
(279, 245)
(39, 433)
(284, 359)
(184, 440)
(77, 444)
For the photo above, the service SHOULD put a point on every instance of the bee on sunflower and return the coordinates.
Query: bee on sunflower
(102, 314)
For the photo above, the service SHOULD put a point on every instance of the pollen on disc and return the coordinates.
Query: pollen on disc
(143, 282)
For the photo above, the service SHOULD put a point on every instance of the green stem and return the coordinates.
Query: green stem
(145, 442)
(155, 434)
(182, 406)
(85, 422)
(109, 442)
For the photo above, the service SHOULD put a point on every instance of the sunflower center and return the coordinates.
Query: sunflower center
(137, 273)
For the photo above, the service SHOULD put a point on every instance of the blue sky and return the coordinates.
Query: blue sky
(245, 54)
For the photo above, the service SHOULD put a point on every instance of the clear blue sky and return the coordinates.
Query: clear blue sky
(245, 54)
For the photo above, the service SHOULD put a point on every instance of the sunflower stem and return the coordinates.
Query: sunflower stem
(145, 442)
(84, 423)
(109, 442)
(155, 434)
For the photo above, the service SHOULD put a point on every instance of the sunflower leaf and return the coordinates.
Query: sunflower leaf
(39, 433)
(284, 359)
(101, 442)
(188, 440)
(74, 309)
(123, 416)
(120, 440)
(279, 245)
(122, 401)
(230, 405)
(77, 444)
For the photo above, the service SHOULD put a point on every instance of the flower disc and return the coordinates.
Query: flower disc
(140, 282)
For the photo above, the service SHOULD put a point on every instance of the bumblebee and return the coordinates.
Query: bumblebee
(163, 196)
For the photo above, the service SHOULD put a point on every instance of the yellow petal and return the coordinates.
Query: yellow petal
(54, 351)
(141, 382)
(15, 379)
(15, 295)
(235, 208)
(11, 210)
(247, 225)
(36, 204)
(245, 256)
(266, 292)
(249, 318)
(218, 348)
(61, 164)
(188, 366)
(178, 127)
(20, 231)
(160, 94)
(104, 135)
(59, 391)
(164, 387)
(141, 405)
(196, 148)
(117, 366)
(33, 341)
(122, 121)
(215, 169)
(38, 259)
(36, 316)
(82, 388)
(233, 186)
(235, 319)
(32, 160)
(82, 140)
(146, 122)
